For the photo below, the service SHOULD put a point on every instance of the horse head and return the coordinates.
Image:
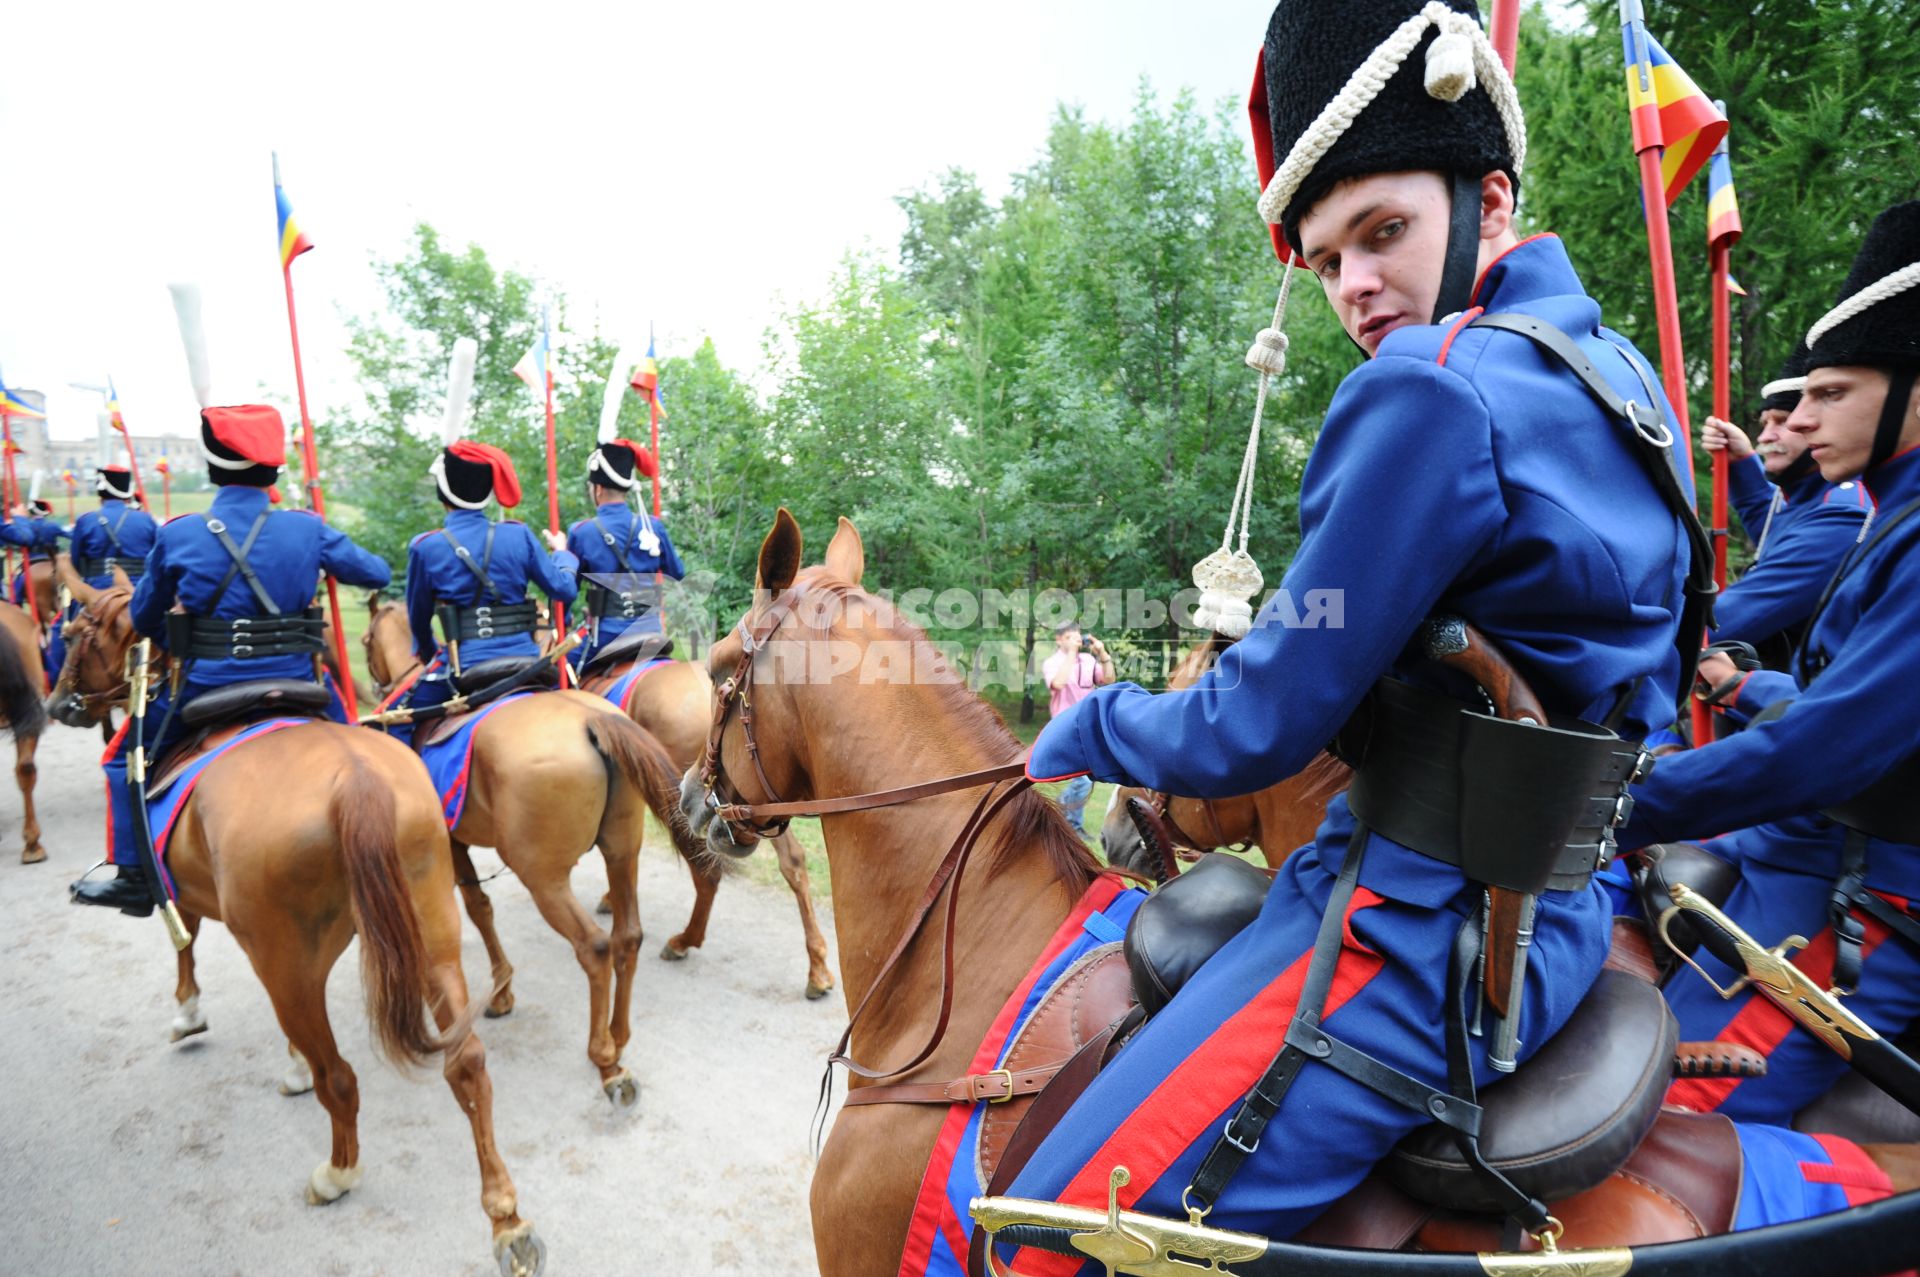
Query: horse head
(388, 643)
(93, 681)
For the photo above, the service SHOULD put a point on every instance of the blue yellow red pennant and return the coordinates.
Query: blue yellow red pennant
(1668, 110)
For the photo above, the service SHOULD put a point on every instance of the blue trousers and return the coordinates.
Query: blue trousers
(1073, 802)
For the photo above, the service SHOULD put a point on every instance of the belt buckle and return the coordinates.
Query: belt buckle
(242, 651)
(1227, 1132)
(485, 631)
(1005, 1073)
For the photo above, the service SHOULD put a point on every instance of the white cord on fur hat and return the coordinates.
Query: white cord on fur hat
(439, 472)
(1785, 385)
(1872, 295)
(1460, 57)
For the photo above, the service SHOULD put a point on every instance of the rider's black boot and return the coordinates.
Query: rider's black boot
(126, 891)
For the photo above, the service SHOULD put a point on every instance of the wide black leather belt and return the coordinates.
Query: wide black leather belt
(1516, 805)
(629, 605)
(1889, 808)
(489, 620)
(247, 637)
(91, 568)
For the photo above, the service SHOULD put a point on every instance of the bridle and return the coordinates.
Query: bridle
(1162, 805)
(86, 644)
(384, 689)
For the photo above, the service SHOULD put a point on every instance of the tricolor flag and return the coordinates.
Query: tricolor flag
(1668, 110)
(536, 366)
(66, 477)
(293, 240)
(1723, 210)
(1733, 286)
(646, 381)
(113, 408)
(15, 406)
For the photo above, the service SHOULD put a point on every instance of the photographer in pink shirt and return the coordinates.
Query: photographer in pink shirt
(1077, 665)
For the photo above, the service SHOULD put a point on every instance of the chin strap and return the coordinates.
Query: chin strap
(1893, 415)
(1463, 249)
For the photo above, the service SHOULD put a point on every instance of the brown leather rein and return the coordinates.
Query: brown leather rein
(770, 818)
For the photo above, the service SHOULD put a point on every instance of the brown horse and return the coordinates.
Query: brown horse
(1277, 820)
(553, 776)
(857, 731)
(361, 849)
(673, 702)
(23, 714)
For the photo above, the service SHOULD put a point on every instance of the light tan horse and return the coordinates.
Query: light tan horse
(1277, 820)
(553, 776)
(360, 848)
(674, 702)
(859, 719)
(24, 715)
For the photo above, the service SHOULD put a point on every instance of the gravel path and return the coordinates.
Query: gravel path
(120, 1153)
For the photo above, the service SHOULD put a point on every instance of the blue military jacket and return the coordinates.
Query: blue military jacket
(1461, 472)
(40, 537)
(95, 534)
(435, 574)
(187, 564)
(1805, 530)
(588, 540)
(1846, 725)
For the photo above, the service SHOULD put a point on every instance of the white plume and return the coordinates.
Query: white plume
(33, 489)
(193, 335)
(616, 391)
(459, 386)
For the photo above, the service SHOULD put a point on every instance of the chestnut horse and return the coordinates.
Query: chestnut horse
(673, 703)
(553, 776)
(360, 848)
(854, 733)
(23, 714)
(1278, 819)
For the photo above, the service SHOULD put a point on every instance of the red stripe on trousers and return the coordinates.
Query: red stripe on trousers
(1187, 1105)
(1762, 1025)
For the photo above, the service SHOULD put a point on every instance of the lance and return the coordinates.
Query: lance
(66, 477)
(12, 493)
(1506, 30)
(33, 594)
(545, 371)
(126, 436)
(653, 422)
(165, 471)
(1720, 248)
(292, 244)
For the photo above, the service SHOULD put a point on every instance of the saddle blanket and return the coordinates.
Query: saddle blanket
(620, 691)
(938, 1234)
(164, 808)
(450, 758)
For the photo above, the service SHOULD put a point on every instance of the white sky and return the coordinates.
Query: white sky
(692, 163)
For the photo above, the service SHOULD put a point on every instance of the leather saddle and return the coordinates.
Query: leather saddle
(261, 698)
(484, 674)
(631, 647)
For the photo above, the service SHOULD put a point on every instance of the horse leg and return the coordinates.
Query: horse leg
(25, 773)
(189, 1019)
(623, 874)
(553, 897)
(480, 909)
(793, 867)
(296, 979)
(695, 933)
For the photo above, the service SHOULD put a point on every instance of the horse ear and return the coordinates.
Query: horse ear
(779, 554)
(75, 583)
(373, 602)
(846, 553)
(120, 578)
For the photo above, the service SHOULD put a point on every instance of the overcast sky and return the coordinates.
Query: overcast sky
(701, 165)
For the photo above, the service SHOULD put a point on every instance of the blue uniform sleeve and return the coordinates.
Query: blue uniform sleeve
(16, 532)
(1399, 496)
(1838, 737)
(60, 534)
(1750, 492)
(556, 572)
(578, 540)
(1779, 591)
(347, 562)
(420, 599)
(669, 557)
(153, 594)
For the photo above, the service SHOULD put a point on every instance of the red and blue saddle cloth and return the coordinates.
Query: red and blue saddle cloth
(164, 810)
(938, 1235)
(449, 760)
(1788, 1175)
(620, 691)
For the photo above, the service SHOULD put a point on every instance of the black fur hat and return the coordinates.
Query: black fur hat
(470, 481)
(1885, 333)
(1783, 392)
(1419, 120)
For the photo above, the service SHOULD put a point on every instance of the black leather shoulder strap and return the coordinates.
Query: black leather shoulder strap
(479, 570)
(240, 566)
(614, 546)
(1853, 559)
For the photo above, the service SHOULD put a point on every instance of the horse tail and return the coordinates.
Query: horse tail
(21, 689)
(631, 751)
(393, 956)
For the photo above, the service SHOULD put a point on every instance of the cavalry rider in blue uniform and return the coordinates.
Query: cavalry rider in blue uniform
(621, 548)
(241, 561)
(1837, 773)
(115, 535)
(1801, 524)
(1464, 469)
(32, 528)
(472, 575)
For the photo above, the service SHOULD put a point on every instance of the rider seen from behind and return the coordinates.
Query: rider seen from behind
(621, 550)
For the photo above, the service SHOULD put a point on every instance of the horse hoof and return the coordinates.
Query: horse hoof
(328, 1183)
(501, 1005)
(670, 954)
(817, 991)
(190, 1020)
(623, 1090)
(299, 1078)
(520, 1252)
(33, 855)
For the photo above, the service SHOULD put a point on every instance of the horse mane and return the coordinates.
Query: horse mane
(1323, 778)
(1029, 820)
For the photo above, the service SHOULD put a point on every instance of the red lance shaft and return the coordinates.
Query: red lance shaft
(553, 493)
(26, 556)
(1506, 30)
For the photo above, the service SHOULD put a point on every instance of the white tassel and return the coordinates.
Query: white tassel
(1450, 65)
(466, 352)
(1268, 354)
(193, 335)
